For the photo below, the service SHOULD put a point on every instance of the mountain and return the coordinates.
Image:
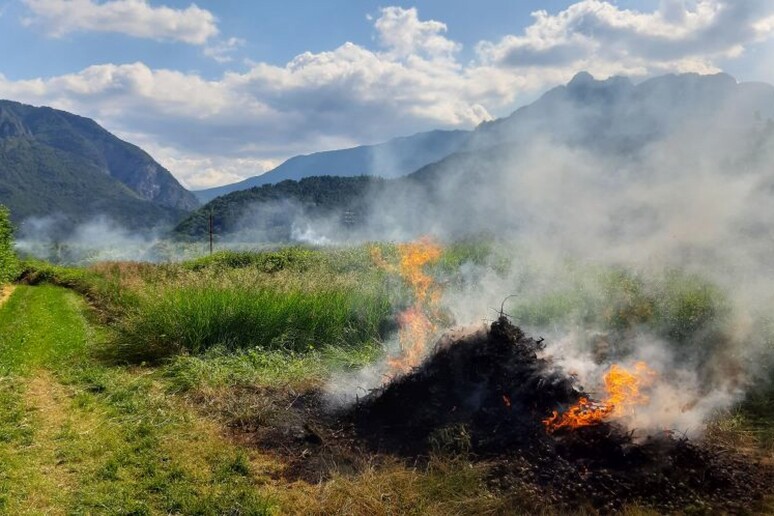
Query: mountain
(395, 158)
(598, 143)
(57, 164)
(618, 115)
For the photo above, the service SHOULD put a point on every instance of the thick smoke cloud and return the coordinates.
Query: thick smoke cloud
(671, 175)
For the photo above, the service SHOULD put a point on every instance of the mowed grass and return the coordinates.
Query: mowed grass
(78, 437)
(23, 343)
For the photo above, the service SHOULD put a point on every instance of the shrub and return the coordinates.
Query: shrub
(9, 263)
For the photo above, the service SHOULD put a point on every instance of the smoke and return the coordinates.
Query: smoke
(668, 182)
(344, 388)
(61, 241)
(54, 238)
(605, 199)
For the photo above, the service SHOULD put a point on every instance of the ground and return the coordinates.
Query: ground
(79, 436)
(82, 438)
(82, 434)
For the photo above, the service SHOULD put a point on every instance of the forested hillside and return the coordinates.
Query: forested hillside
(272, 208)
(58, 165)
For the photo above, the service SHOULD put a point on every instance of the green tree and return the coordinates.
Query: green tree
(9, 263)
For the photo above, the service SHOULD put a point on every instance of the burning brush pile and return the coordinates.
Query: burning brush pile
(489, 393)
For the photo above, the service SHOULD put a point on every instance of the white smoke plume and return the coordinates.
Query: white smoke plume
(676, 177)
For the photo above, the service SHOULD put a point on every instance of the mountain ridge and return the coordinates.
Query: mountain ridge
(613, 119)
(394, 158)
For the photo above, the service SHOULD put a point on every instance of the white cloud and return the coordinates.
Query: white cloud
(597, 35)
(198, 172)
(136, 18)
(401, 31)
(221, 51)
(228, 128)
(765, 26)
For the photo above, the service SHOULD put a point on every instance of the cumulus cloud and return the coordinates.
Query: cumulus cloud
(401, 31)
(197, 171)
(136, 18)
(414, 80)
(595, 34)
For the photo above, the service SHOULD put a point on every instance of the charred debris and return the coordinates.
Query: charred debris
(485, 396)
(488, 393)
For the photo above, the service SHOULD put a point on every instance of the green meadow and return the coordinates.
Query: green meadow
(130, 388)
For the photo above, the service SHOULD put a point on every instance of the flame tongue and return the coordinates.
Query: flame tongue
(416, 325)
(623, 387)
(413, 258)
(415, 332)
(623, 395)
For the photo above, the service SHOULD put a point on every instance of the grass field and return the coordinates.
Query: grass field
(79, 437)
(124, 386)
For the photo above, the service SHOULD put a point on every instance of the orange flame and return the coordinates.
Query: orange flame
(416, 329)
(416, 325)
(413, 258)
(623, 395)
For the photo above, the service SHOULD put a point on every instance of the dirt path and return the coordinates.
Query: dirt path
(5, 292)
(49, 402)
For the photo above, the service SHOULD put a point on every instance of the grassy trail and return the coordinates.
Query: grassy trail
(80, 437)
(42, 326)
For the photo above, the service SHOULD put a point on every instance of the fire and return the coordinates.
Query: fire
(413, 258)
(623, 388)
(415, 331)
(416, 324)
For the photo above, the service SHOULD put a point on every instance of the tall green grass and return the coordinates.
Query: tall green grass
(685, 309)
(104, 292)
(195, 319)
(293, 299)
(296, 258)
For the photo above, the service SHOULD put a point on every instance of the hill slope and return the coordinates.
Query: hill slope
(394, 158)
(269, 212)
(53, 163)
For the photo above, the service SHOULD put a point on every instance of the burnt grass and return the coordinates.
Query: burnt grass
(484, 396)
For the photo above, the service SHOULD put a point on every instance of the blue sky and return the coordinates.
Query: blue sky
(222, 90)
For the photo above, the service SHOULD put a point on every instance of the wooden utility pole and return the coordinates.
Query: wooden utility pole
(211, 231)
